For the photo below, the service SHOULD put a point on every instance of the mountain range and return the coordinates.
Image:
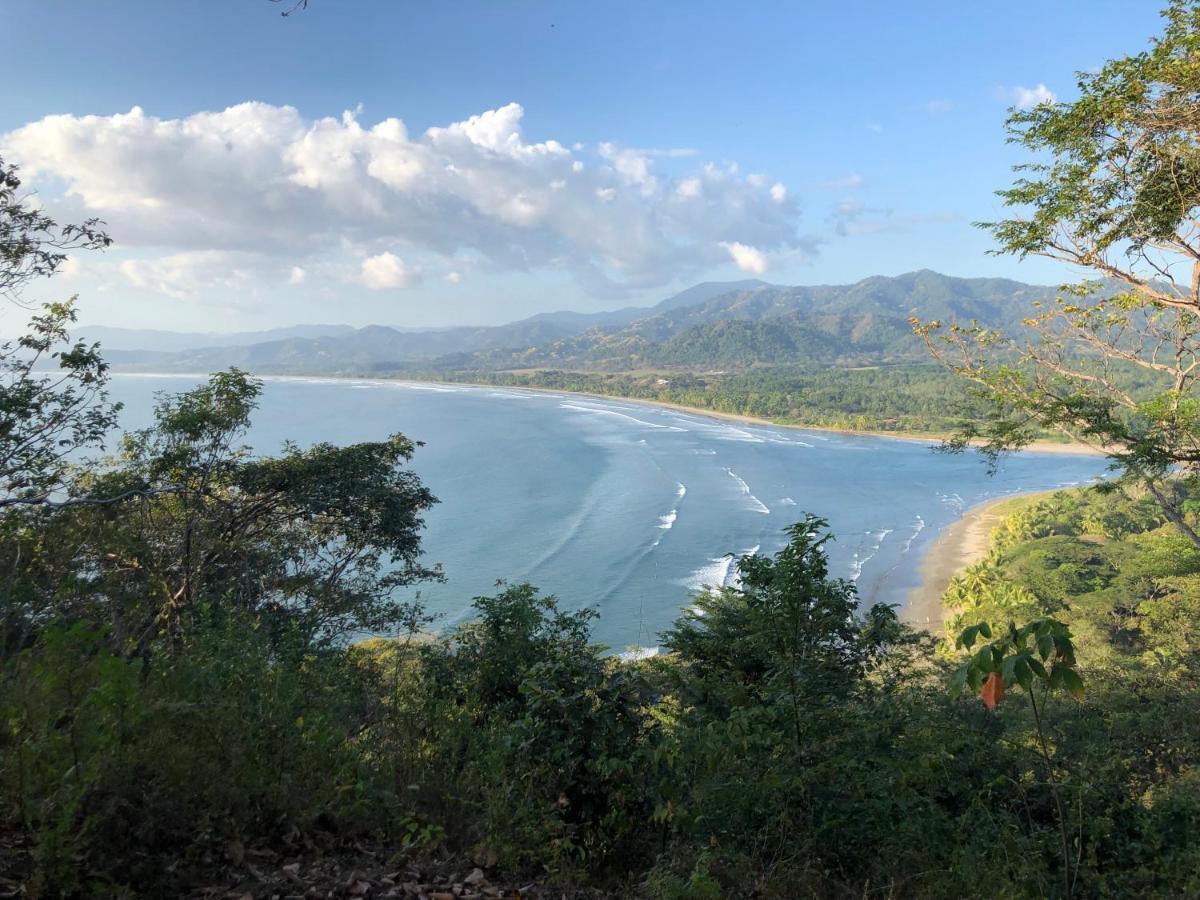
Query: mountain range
(711, 325)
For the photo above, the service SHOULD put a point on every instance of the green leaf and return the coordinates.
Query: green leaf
(958, 680)
(1037, 667)
(1073, 683)
(1023, 673)
(1045, 645)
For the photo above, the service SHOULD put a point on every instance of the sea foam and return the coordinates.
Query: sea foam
(755, 504)
(600, 411)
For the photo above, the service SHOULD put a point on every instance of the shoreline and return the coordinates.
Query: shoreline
(931, 439)
(1038, 446)
(962, 543)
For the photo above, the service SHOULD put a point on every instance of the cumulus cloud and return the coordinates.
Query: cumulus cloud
(264, 179)
(1028, 98)
(453, 277)
(746, 258)
(386, 271)
(297, 275)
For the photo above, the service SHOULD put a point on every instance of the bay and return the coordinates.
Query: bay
(628, 508)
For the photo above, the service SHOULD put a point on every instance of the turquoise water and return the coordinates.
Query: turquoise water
(626, 507)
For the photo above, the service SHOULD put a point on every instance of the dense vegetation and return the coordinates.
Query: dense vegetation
(188, 694)
(899, 398)
(1107, 563)
(787, 744)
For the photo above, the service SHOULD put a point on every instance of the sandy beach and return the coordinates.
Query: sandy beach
(962, 543)
(1039, 446)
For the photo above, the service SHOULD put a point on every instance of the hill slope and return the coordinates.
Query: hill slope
(724, 325)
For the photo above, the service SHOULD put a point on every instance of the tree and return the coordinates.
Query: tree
(1113, 189)
(312, 542)
(786, 631)
(45, 417)
(1039, 654)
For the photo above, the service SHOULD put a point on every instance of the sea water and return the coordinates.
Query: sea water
(625, 507)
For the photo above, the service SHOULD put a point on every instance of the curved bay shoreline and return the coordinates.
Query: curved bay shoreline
(958, 545)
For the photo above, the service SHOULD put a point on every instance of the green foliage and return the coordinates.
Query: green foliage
(887, 398)
(1104, 562)
(44, 418)
(552, 749)
(314, 540)
(114, 764)
(785, 732)
(1019, 656)
(1111, 187)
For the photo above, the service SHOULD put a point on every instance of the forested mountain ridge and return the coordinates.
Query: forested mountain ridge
(726, 325)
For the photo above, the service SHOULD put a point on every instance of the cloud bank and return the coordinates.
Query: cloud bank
(382, 205)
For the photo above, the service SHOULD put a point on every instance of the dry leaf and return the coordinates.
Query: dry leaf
(993, 690)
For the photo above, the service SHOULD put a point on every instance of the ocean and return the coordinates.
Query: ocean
(628, 508)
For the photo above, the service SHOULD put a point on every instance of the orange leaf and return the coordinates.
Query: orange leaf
(993, 690)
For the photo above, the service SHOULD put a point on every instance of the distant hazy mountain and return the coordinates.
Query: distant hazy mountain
(723, 325)
(173, 341)
(617, 317)
(864, 323)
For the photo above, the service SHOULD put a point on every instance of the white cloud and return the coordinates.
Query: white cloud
(1028, 98)
(874, 127)
(746, 258)
(297, 275)
(262, 179)
(181, 276)
(386, 271)
(938, 107)
(453, 277)
(778, 192)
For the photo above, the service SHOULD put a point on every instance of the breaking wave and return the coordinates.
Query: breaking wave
(755, 504)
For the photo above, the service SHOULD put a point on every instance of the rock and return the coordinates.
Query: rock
(475, 877)
(292, 872)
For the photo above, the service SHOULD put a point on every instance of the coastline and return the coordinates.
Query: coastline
(1039, 446)
(961, 544)
(958, 545)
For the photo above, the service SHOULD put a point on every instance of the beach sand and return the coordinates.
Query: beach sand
(1038, 446)
(962, 543)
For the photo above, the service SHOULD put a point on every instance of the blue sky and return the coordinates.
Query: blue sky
(619, 151)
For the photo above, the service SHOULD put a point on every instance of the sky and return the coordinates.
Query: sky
(426, 163)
